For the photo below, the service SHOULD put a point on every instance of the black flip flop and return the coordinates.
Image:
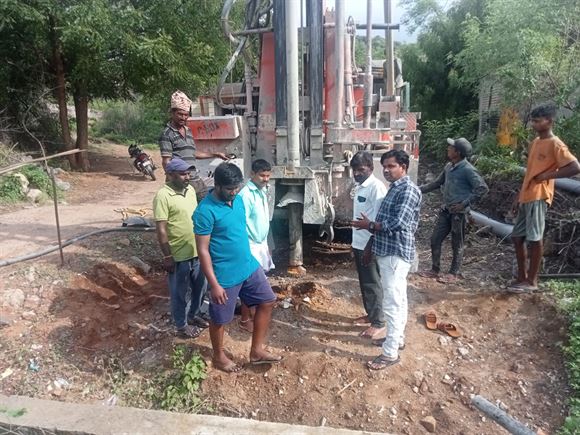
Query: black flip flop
(383, 362)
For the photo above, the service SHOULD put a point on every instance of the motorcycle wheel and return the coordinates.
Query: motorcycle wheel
(149, 171)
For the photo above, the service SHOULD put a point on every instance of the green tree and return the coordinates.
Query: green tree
(428, 64)
(532, 48)
(108, 49)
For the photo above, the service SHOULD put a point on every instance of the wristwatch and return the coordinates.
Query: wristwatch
(372, 227)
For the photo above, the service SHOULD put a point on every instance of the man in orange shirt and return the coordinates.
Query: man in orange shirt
(548, 158)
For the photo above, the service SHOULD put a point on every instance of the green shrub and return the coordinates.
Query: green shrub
(568, 129)
(435, 133)
(10, 191)
(182, 391)
(568, 296)
(37, 178)
(126, 122)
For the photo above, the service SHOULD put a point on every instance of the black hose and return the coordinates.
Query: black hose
(68, 242)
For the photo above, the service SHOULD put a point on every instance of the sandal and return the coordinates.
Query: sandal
(450, 329)
(189, 331)
(448, 278)
(361, 321)
(428, 274)
(381, 362)
(232, 367)
(430, 319)
(272, 359)
(522, 287)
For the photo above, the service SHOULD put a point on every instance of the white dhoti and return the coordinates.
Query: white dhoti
(261, 252)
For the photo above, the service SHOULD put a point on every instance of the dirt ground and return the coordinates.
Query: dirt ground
(100, 328)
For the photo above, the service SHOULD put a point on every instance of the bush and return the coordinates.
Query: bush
(497, 161)
(435, 133)
(568, 296)
(128, 122)
(37, 178)
(568, 129)
(10, 191)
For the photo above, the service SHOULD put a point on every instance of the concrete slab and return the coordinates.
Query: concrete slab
(51, 417)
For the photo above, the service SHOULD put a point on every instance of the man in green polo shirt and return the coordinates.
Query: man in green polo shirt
(173, 207)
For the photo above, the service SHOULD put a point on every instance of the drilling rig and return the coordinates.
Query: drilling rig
(307, 108)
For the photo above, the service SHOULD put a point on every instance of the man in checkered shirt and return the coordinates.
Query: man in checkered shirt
(393, 243)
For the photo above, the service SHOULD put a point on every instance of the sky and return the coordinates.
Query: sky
(358, 10)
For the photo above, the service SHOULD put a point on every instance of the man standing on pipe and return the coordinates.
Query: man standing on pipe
(462, 187)
(548, 158)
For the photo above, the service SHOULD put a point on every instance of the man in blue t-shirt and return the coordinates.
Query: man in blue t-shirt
(226, 260)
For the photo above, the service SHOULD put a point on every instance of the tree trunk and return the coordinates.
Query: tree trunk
(82, 113)
(60, 91)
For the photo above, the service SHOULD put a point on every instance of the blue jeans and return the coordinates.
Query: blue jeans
(186, 282)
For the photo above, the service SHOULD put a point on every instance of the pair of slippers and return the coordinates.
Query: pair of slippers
(448, 328)
(448, 278)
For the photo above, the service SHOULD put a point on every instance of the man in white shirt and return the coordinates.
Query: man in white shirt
(368, 196)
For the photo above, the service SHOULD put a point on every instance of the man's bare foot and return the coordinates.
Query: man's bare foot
(360, 321)
(226, 365)
(264, 357)
(372, 332)
(247, 325)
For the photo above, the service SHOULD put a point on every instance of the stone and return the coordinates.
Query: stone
(418, 376)
(24, 183)
(61, 185)
(32, 301)
(31, 274)
(393, 410)
(28, 315)
(34, 195)
(349, 415)
(429, 423)
(125, 242)
(13, 298)
(463, 351)
(141, 265)
(443, 341)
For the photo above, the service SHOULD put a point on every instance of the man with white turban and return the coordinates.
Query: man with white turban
(176, 140)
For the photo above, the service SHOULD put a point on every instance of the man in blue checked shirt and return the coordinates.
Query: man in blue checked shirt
(393, 243)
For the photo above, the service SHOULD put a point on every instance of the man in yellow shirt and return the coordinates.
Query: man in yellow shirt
(173, 208)
(548, 158)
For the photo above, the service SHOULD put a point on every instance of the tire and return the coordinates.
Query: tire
(150, 171)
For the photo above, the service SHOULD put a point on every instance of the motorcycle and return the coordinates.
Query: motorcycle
(142, 162)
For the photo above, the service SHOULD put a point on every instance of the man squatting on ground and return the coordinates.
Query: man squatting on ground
(173, 207)
(368, 195)
(176, 140)
(548, 158)
(231, 270)
(255, 198)
(462, 187)
(393, 243)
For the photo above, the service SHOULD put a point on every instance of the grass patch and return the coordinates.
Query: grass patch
(129, 121)
(10, 191)
(175, 389)
(568, 296)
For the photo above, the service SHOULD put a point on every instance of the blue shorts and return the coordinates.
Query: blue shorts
(253, 291)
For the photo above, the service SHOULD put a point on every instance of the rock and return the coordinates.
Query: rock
(29, 315)
(61, 185)
(13, 298)
(32, 301)
(424, 387)
(418, 376)
(393, 410)
(34, 195)
(23, 182)
(141, 265)
(415, 389)
(348, 415)
(463, 351)
(443, 341)
(31, 274)
(125, 242)
(516, 367)
(429, 423)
